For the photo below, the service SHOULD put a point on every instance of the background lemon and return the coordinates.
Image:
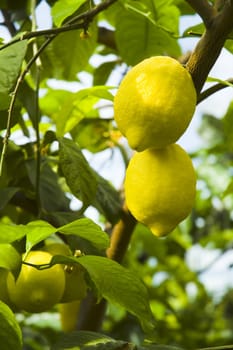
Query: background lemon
(4, 295)
(155, 103)
(75, 285)
(37, 290)
(160, 187)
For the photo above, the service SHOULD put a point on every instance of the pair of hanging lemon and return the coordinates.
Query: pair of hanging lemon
(153, 107)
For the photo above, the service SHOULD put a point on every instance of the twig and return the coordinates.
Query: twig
(210, 91)
(84, 19)
(206, 11)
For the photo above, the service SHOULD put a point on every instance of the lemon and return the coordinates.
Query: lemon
(160, 187)
(37, 290)
(75, 285)
(69, 315)
(4, 295)
(155, 103)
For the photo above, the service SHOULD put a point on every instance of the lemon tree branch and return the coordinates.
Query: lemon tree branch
(205, 10)
(210, 45)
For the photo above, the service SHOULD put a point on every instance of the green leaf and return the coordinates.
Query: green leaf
(5, 196)
(63, 9)
(159, 347)
(88, 230)
(67, 109)
(154, 34)
(121, 286)
(68, 54)
(10, 332)
(10, 259)
(107, 200)
(87, 340)
(38, 231)
(11, 233)
(11, 59)
(52, 197)
(196, 30)
(102, 73)
(78, 174)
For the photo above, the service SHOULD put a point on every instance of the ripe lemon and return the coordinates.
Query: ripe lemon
(75, 285)
(155, 103)
(160, 187)
(69, 315)
(37, 290)
(4, 295)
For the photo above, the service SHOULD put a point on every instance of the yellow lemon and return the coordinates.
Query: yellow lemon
(160, 187)
(69, 315)
(37, 290)
(4, 295)
(75, 285)
(155, 103)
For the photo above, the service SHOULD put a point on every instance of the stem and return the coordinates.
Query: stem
(37, 111)
(213, 89)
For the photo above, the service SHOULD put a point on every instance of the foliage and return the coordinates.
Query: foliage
(58, 138)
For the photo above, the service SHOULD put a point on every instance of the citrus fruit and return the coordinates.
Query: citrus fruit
(155, 103)
(37, 290)
(69, 315)
(160, 187)
(4, 295)
(75, 285)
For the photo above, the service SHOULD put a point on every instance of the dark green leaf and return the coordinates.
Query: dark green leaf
(102, 73)
(11, 60)
(79, 176)
(6, 194)
(83, 340)
(10, 332)
(107, 200)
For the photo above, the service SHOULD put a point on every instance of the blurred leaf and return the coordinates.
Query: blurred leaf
(11, 233)
(211, 130)
(102, 72)
(196, 30)
(159, 347)
(67, 109)
(228, 127)
(5, 196)
(139, 36)
(85, 340)
(126, 290)
(38, 230)
(92, 134)
(10, 259)
(68, 54)
(107, 200)
(10, 332)
(88, 230)
(78, 174)
(28, 98)
(52, 197)
(64, 8)
(11, 59)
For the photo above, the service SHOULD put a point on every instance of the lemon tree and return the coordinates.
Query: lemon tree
(36, 290)
(155, 103)
(160, 187)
